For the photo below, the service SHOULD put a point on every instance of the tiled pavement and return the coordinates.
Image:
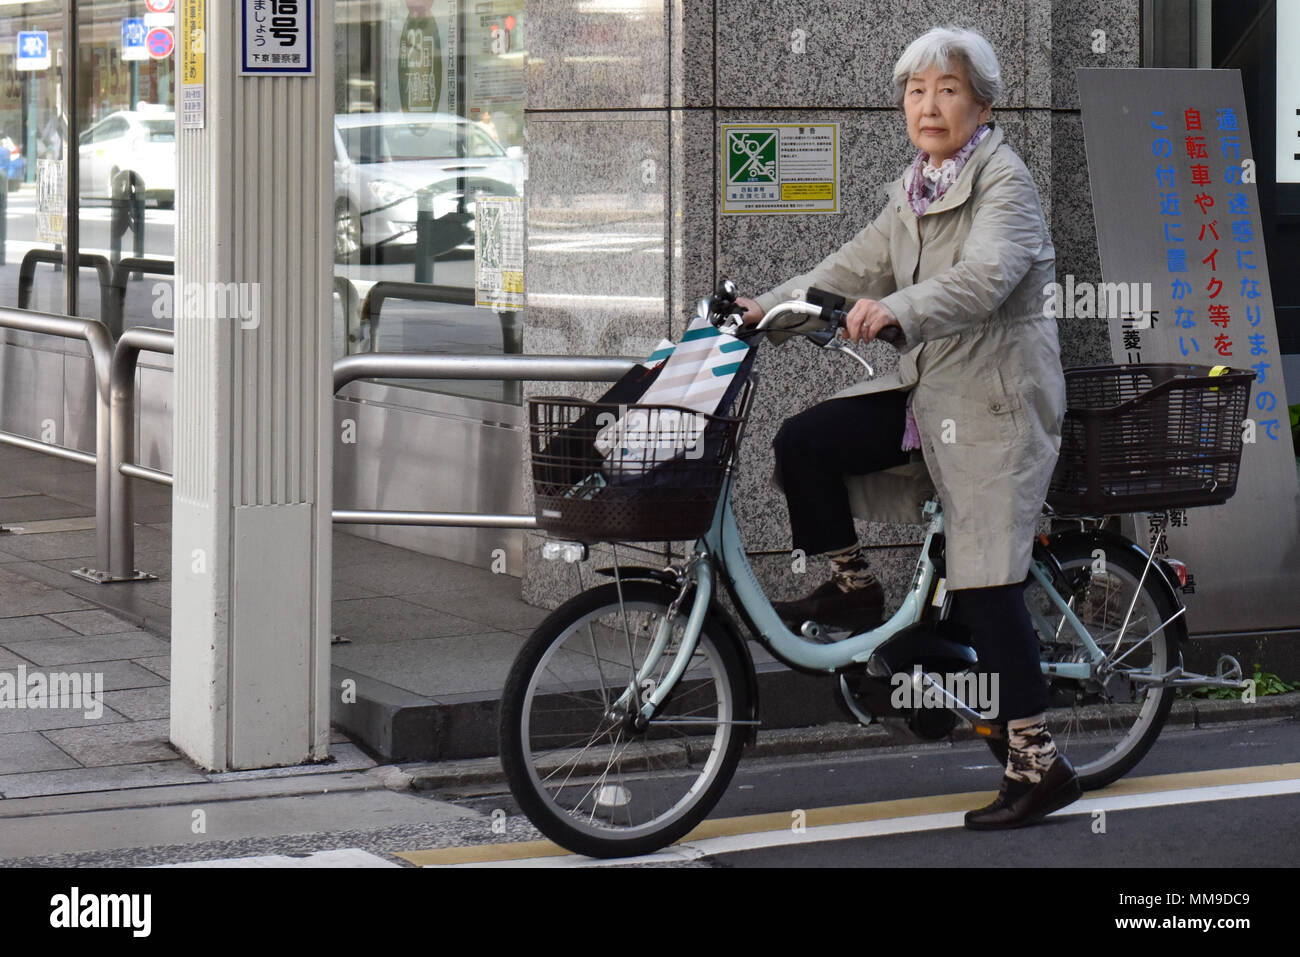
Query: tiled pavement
(423, 626)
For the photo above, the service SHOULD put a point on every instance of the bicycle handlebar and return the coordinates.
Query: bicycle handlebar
(721, 308)
(837, 318)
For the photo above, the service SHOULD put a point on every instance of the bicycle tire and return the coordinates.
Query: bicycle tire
(1068, 726)
(552, 667)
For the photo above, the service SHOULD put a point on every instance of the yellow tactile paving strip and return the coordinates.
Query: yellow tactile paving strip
(858, 813)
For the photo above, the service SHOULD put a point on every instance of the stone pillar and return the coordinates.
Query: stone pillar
(253, 493)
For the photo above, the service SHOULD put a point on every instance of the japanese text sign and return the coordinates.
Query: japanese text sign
(1176, 206)
(276, 38)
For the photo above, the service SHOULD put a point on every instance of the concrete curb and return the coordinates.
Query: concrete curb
(828, 738)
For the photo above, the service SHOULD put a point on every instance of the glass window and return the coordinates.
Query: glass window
(127, 159)
(428, 103)
(482, 143)
(32, 133)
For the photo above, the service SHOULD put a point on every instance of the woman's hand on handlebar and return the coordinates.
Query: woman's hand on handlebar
(753, 311)
(868, 319)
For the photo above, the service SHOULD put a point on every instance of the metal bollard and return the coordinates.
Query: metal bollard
(117, 224)
(138, 196)
(128, 213)
(424, 236)
(4, 221)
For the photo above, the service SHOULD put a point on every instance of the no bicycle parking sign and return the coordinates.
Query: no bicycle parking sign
(781, 168)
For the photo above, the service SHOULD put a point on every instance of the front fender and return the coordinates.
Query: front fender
(641, 573)
(717, 615)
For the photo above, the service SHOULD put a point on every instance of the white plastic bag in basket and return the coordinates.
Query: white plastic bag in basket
(695, 377)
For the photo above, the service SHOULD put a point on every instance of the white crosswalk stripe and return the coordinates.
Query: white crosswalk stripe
(344, 857)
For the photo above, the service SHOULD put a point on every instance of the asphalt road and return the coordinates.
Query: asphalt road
(1196, 832)
(1208, 818)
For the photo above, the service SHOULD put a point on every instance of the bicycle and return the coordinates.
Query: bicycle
(625, 713)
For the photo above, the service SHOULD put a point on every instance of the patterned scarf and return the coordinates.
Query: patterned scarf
(926, 184)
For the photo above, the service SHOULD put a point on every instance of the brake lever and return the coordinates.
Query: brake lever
(839, 345)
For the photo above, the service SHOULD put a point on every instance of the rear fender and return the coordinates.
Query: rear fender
(1159, 574)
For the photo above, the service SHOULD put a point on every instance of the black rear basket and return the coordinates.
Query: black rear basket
(1149, 437)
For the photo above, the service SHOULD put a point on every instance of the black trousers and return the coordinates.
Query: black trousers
(817, 448)
(863, 434)
(1003, 637)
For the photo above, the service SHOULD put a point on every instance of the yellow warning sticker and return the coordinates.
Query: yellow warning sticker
(793, 192)
(193, 24)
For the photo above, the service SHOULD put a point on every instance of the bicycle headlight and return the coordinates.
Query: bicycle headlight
(568, 552)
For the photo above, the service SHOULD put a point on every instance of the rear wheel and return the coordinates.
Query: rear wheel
(575, 762)
(1106, 724)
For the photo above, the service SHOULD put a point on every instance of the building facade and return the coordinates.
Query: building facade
(497, 177)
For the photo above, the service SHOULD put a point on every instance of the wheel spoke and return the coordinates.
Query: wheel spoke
(598, 779)
(1105, 724)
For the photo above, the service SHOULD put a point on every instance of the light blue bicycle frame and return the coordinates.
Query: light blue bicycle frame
(723, 542)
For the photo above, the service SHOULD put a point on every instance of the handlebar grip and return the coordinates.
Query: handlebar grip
(891, 334)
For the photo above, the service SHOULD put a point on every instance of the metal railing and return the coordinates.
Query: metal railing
(508, 368)
(347, 293)
(347, 369)
(27, 275)
(95, 334)
(121, 565)
(115, 318)
(115, 390)
(511, 333)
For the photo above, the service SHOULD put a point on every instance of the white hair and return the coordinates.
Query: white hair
(939, 47)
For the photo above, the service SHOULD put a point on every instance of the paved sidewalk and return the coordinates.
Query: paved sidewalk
(417, 629)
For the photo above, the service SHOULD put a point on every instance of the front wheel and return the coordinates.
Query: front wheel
(580, 770)
(1105, 725)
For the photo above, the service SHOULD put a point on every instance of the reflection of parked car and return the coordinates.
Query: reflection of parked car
(383, 159)
(12, 164)
(139, 142)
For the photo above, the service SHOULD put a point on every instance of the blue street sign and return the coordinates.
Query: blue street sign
(33, 50)
(134, 32)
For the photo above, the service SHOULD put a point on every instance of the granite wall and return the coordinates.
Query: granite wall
(624, 106)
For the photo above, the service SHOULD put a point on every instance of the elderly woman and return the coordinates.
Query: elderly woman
(957, 260)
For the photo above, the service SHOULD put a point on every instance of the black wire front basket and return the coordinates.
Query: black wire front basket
(1149, 437)
(605, 472)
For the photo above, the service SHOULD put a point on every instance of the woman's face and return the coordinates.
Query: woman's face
(942, 111)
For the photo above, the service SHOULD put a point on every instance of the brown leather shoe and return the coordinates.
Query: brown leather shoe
(1019, 803)
(859, 609)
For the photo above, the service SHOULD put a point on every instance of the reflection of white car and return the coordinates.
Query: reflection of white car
(381, 161)
(143, 143)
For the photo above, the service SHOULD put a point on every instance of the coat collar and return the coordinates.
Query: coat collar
(959, 191)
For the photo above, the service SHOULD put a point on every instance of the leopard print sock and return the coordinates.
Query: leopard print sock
(849, 568)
